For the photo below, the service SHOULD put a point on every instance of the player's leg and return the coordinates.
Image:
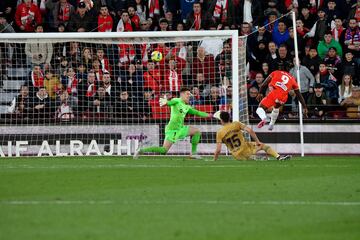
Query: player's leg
(270, 151)
(195, 139)
(261, 112)
(274, 115)
(168, 142)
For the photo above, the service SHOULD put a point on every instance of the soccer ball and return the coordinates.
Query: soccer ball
(156, 56)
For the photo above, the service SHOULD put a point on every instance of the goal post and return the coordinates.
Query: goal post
(97, 93)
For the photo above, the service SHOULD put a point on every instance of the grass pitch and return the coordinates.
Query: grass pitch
(172, 198)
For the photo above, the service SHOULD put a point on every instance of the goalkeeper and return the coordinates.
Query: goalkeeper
(176, 130)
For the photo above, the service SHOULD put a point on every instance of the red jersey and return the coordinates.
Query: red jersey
(282, 81)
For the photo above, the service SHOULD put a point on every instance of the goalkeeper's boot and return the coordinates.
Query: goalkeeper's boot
(284, 157)
(271, 127)
(137, 151)
(262, 123)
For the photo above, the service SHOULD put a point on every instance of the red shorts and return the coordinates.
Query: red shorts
(274, 97)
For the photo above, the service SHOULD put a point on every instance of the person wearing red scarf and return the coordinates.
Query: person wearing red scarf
(134, 17)
(126, 51)
(105, 21)
(172, 80)
(37, 77)
(152, 78)
(27, 16)
(198, 20)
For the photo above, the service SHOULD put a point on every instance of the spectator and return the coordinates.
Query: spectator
(273, 8)
(270, 21)
(8, 8)
(354, 12)
(261, 35)
(198, 19)
(172, 75)
(81, 19)
(352, 104)
(312, 60)
(116, 6)
(317, 102)
(134, 18)
(272, 55)
(196, 98)
(104, 61)
(265, 70)
(326, 43)
(307, 18)
(351, 68)
(290, 43)
(152, 78)
(253, 103)
(170, 20)
(280, 34)
(154, 8)
(87, 90)
(333, 63)
(5, 27)
(337, 28)
(40, 105)
(222, 12)
(60, 13)
(300, 28)
(319, 29)
(27, 16)
(282, 62)
(21, 103)
(81, 74)
(74, 53)
(345, 89)
(124, 107)
(204, 64)
(144, 25)
(163, 25)
(86, 58)
(52, 84)
(213, 98)
(132, 82)
(106, 84)
(141, 9)
(257, 82)
(145, 102)
(105, 21)
(306, 80)
(328, 81)
(351, 39)
(125, 24)
(70, 82)
(64, 110)
(39, 53)
(246, 11)
(96, 67)
(101, 102)
(36, 79)
(331, 11)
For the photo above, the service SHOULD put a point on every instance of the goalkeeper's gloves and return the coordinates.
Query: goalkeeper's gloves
(163, 101)
(217, 115)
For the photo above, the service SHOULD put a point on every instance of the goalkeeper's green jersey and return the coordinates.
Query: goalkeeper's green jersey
(179, 109)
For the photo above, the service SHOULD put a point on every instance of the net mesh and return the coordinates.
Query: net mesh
(82, 96)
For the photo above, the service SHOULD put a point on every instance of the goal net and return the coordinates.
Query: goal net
(98, 93)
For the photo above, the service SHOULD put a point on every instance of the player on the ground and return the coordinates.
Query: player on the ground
(175, 129)
(232, 136)
(280, 83)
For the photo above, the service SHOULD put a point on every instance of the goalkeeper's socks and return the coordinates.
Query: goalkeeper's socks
(194, 142)
(160, 150)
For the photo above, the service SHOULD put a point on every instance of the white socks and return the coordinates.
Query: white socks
(261, 113)
(274, 115)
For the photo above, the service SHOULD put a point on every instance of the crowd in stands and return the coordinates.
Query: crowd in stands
(73, 79)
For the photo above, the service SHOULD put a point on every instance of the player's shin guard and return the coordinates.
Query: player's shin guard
(270, 151)
(160, 150)
(194, 142)
(274, 115)
(261, 113)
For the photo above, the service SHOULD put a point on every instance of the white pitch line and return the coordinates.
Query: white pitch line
(105, 166)
(206, 202)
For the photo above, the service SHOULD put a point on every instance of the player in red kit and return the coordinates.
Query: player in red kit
(280, 84)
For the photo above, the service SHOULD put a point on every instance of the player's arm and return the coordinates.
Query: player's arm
(263, 85)
(253, 135)
(302, 101)
(217, 151)
(195, 112)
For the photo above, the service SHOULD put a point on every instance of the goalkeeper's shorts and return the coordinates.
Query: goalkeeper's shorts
(178, 134)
